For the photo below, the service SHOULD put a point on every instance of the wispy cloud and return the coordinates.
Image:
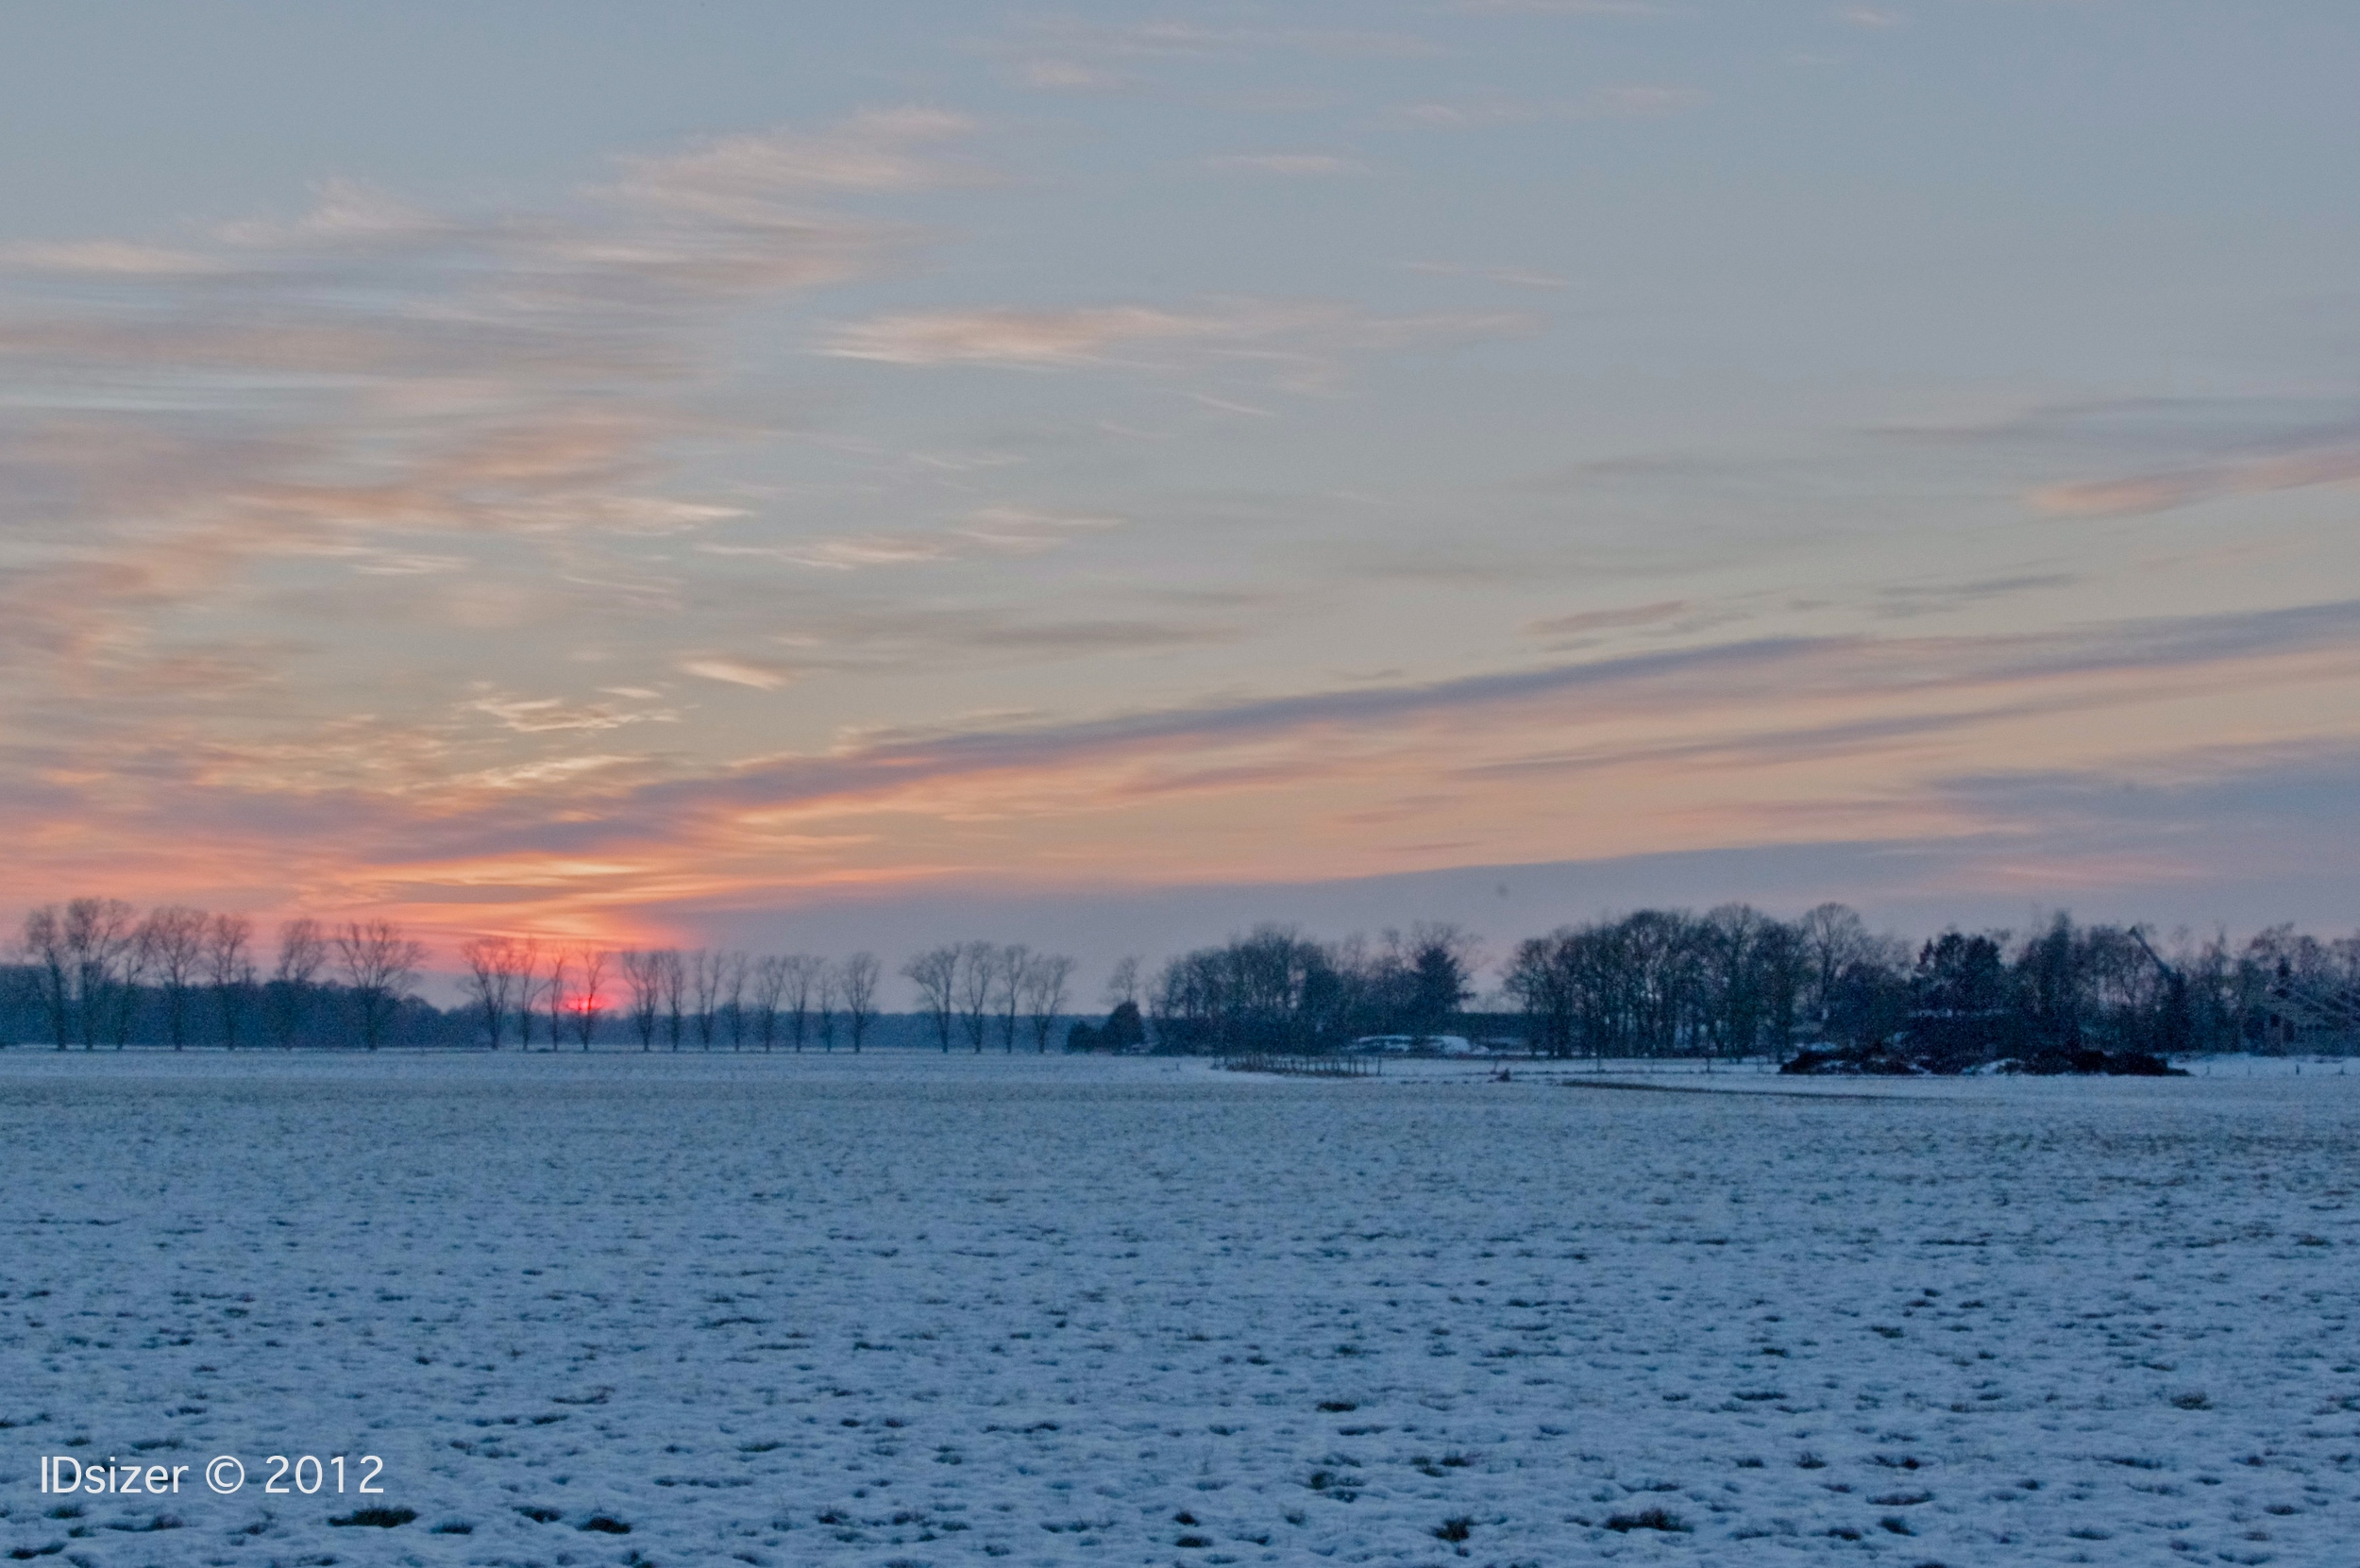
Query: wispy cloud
(387, 390)
(730, 669)
(1301, 344)
(2168, 489)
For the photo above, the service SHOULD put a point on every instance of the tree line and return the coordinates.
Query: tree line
(1732, 982)
(1735, 982)
(97, 968)
(98, 972)
(974, 989)
(1277, 990)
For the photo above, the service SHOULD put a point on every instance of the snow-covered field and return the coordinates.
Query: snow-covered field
(904, 1310)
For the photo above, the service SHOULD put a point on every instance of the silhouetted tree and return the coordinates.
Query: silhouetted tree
(230, 971)
(287, 999)
(589, 993)
(978, 978)
(935, 973)
(174, 938)
(856, 987)
(490, 981)
(378, 964)
(644, 975)
(53, 962)
(1045, 978)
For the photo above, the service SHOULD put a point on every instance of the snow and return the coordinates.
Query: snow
(912, 1309)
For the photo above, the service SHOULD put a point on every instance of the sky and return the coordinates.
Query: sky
(870, 475)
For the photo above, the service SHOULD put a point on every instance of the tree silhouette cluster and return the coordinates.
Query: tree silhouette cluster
(973, 990)
(1730, 983)
(1735, 982)
(1277, 990)
(706, 995)
(97, 968)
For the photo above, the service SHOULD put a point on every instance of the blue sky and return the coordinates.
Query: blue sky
(696, 472)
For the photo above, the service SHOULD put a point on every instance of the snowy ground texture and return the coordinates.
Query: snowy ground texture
(910, 1310)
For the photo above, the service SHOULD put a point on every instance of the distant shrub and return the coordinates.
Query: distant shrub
(384, 1519)
(1648, 1519)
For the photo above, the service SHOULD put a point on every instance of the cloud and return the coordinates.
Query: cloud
(752, 179)
(1025, 531)
(554, 715)
(850, 552)
(1870, 16)
(2167, 489)
(1011, 338)
(1752, 742)
(1777, 679)
(732, 670)
(387, 388)
(2158, 454)
(1299, 343)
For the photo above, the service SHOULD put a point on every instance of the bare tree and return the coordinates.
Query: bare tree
(589, 993)
(801, 975)
(1047, 977)
(135, 962)
(734, 976)
(675, 973)
(644, 975)
(173, 938)
(379, 963)
(302, 953)
(1833, 939)
(53, 961)
(528, 989)
(857, 987)
(1123, 984)
(704, 979)
(823, 1005)
(979, 976)
(99, 935)
(555, 992)
(768, 988)
(1008, 969)
(491, 979)
(935, 973)
(230, 969)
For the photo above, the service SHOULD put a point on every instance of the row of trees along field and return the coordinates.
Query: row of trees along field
(1732, 982)
(1735, 982)
(101, 974)
(95, 971)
